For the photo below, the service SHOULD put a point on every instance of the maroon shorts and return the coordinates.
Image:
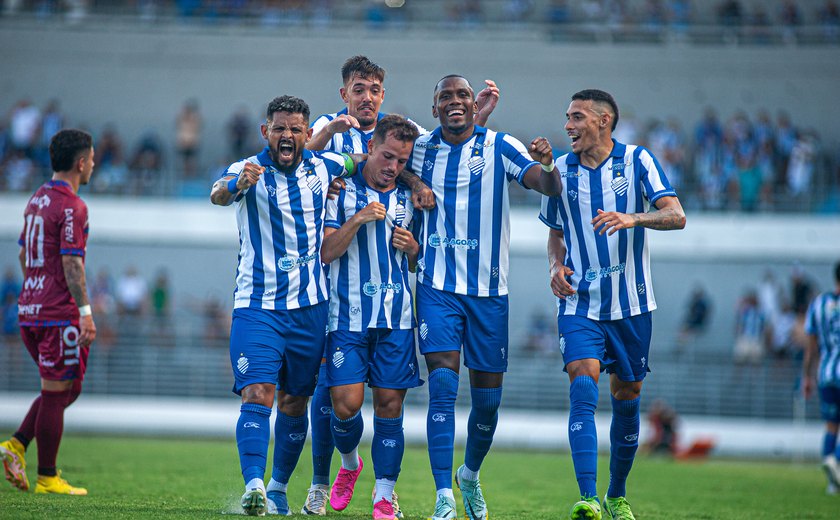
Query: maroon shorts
(57, 351)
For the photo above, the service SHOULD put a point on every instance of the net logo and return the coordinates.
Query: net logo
(436, 240)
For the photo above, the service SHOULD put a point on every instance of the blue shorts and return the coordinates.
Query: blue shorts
(383, 358)
(479, 323)
(622, 346)
(283, 348)
(830, 403)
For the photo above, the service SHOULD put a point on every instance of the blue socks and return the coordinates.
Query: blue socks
(440, 424)
(253, 432)
(583, 438)
(320, 412)
(829, 444)
(481, 425)
(348, 433)
(624, 441)
(388, 447)
(289, 437)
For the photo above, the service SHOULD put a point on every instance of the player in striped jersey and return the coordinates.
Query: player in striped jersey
(280, 301)
(822, 324)
(462, 276)
(369, 247)
(600, 272)
(349, 131)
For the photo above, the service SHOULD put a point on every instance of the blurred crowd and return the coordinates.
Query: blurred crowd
(134, 307)
(744, 163)
(651, 14)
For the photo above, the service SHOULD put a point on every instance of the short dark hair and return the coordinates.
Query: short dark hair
(397, 126)
(361, 66)
(449, 76)
(290, 104)
(837, 272)
(67, 146)
(599, 96)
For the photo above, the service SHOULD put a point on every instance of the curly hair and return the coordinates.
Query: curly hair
(290, 104)
(66, 147)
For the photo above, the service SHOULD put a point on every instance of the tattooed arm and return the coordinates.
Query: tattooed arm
(74, 273)
(668, 215)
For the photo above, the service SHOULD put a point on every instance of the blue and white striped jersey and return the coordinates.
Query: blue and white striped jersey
(465, 238)
(353, 140)
(611, 273)
(369, 285)
(280, 223)
(823, 321)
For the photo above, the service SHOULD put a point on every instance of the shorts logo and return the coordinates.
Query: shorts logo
(439, 417)
(411, 367)
(576, 427)
(297, 436)
(389, 443)
(643, 360)
(571, 298)
(503, 352)
(484, 427)
(44, 362)
(338, 359)
(640, 288)
(632, 437)
(70, 336)
(326, 410)
(562, 345)
(251, 425)
(424, 330)
(242, 364)
(476, 164)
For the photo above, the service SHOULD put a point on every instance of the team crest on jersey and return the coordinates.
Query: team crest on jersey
(313, 182)
(476, 164)
(424, 330)
(348, 148)
(619, 185)
(591, 274)
(286, 263)
(338, 359)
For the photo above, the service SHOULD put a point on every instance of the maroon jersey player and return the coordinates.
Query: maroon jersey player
(56, 323)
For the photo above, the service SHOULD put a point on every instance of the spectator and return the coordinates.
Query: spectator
(104, 305)
(696, 319)
(750, 182)
(9, 291)
(240, 127)
(19, 171)
(801, 165)
(146, 163)
(730, 13)
(160, 295)
(517, 11)
(542, 336)
(663, 421)
(750, 332)
(51, 122)
(802, 290)
(24, 120)
(111, 171)
(131, 293)
(188, 138)
(829, 17)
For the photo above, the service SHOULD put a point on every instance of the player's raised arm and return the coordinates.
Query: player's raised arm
(543, 177)
(486, 100)
(226, 189)
(322, 134)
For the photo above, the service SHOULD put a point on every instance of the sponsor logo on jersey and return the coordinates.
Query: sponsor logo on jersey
(30, 309)
(287, 263)
(34, 283)
(370, 288)
(70, 336)
(593, 274)
(68, 225)
(568, 174)
(428, 146)
(42, 202)
(355, 310)
(437, 240)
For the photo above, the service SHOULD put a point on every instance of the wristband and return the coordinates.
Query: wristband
(349, 165)
(548, 169)
(231, 185)
(84, 310)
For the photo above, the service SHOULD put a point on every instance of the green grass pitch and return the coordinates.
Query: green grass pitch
(188, 478)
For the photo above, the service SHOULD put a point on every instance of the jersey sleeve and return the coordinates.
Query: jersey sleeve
(515, 158)
(655, 184)
(335, 164)
(320, 123)
(419, 128)
(334, 217)
(74, 229)
(550, 212)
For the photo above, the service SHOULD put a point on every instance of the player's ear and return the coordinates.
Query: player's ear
(343, 93)
(264, 131)
(309, 134)
(434, 111)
